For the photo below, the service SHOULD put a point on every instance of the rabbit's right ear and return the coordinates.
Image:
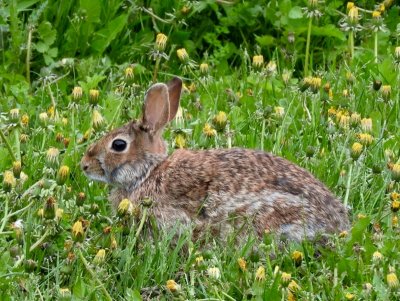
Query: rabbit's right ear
(156, 108)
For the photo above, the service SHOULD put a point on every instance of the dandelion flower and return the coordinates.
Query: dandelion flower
(214, 272)
(99, 257)
(242, 264)
(129, 72)
(94, 96)
(172, 286)
(25, 120)
(377, 256)
(63, 174)
(161, 41)
(258, 61)
(396, 172)
(392, 280)
(77, 231)
(209, 131)
(279, 111)
(14, 114)
(260, 274)
(204, 68)
(182, 55)
(124, 207)
(366, 124)
(97, 119)
(285, 277)
(77, 93)
(9, 180)
(356, 150)
(386, 91)
(297, 256)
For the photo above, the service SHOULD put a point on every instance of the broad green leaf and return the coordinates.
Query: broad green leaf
(295, 13)
(329, 30)
(41, 47)
(47, 33)
(92, 10)
(265, 40)
(104, 36)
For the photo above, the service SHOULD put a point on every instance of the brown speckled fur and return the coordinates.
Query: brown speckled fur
(220, 188)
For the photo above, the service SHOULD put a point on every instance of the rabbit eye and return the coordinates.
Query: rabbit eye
(119, 145)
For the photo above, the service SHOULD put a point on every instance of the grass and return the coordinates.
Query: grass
(61, 240)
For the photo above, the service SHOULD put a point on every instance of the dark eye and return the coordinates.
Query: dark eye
(118, 145)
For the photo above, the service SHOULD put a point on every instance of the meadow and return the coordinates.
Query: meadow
(316, 82)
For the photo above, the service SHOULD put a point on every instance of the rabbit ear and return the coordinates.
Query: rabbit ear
(174, 91)
(156, 107)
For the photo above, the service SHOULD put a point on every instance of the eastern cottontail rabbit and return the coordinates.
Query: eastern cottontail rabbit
(219, 188)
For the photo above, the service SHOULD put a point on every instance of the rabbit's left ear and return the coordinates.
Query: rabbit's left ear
(161, 104)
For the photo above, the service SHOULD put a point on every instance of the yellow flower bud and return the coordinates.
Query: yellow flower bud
(62, 175)
(77, 93)
(182, 55)
(260, 274)
(161, 41)
(258, 61)
(78, 232)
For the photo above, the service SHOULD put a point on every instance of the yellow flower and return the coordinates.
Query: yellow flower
(9, 180)
(52, 154)
(97, 119)
(161, 41)
(285, 277)
(180, 141)
(315, 84)
(14, 114)
(297, 256)
(220, 120)
(77, 231)
(172, 286)
(77, 93)
(392, 280)
(394, 196)
(386, 91)
(366, 124)
(377, 256)
(204, 68)
(350, 5)
(25, 120)
(258, 61)
(242, 264)
(59, 213)
(214, 272)
(332, 111)
(65, 294)
(279, 111)
(43, 117)
(345, 93)
(365, 139)
(17, 168)
(361, 216)
(376, 14)
(382, 8)
(396, 172)
(125, 207)
(355, 118)
(182, 55)
(395, 206)
(395, 221)
(291, 296)
(129, 72)
(293, 286)
(353, 15)
(94, 96)
(343, 234)
(356, 150)
(100, 256)
(209, 131)
(199, 260)
(260, 274)
(397, 52)
(344, 121)
(51, 112)
(62, 174)
(40, 213)
(271, 67)
(350, 296)
(312, 3)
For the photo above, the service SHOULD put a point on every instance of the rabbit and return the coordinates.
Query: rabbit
(218, 189)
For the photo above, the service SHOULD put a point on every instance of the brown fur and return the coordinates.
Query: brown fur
(222, 188)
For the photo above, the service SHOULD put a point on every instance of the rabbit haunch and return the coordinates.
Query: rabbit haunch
(219, 189)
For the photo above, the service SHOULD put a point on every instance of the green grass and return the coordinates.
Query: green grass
(308, 122)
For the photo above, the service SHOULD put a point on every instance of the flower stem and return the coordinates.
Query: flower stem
(41, 239)
(376, 46)
(348, 186)
(156, 69)
(28, 55)
(3, 137)
(308, 46)
(351, 44)
(93, 275)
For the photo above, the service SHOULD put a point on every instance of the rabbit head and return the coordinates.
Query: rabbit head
(125, 156)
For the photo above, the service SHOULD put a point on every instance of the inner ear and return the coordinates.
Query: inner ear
(174, 92)
(156, 108)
